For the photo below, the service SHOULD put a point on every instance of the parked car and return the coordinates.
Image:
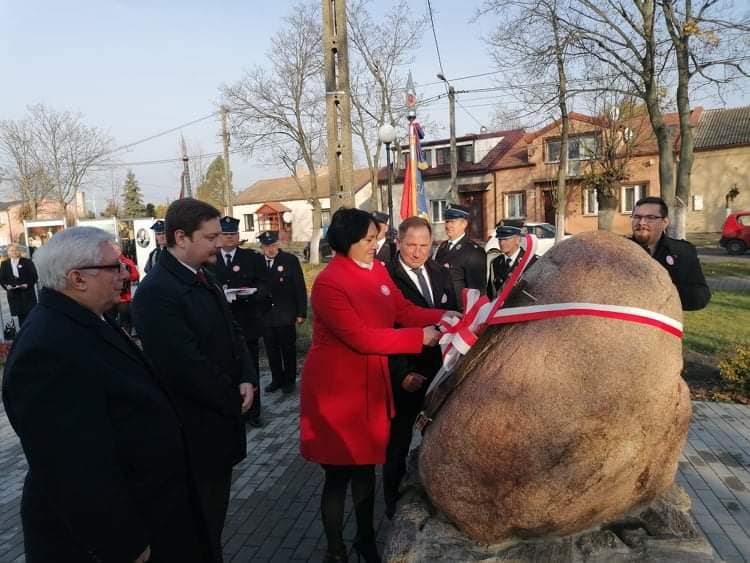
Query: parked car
(324, 250)
(735, 235)
(543, 232)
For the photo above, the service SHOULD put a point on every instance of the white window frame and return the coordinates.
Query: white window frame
(520, 205)
(248, 228)
(586, 208)
(442, 205)
(638, 190)
(573, 140)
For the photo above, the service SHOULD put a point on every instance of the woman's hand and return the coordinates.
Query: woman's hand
(430, 336)
(452, 315)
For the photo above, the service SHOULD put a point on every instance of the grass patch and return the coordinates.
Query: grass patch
(738, 268)
(704, 239)
(719, 326)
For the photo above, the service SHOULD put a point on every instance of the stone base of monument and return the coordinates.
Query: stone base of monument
(663, 531)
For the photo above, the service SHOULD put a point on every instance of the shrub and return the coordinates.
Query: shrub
(735, 368)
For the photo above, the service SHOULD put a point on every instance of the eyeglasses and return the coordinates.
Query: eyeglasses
(647, 218)
(119, 266)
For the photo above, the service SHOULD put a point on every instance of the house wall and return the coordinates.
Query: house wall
(714, 173)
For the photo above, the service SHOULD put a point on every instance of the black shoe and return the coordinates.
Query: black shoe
(367, 551)
(272, 387)
(289, 388)
(254, 422)
(336, 555)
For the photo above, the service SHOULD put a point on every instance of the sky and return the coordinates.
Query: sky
(136, 68)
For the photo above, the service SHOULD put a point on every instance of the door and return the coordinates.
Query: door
(548, 199)
(475, 202)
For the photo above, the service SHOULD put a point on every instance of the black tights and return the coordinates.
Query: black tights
(362, 478)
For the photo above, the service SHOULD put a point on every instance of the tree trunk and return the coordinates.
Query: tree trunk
(607, 204)
(562, 172)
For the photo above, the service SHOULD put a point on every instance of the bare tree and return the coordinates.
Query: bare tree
(380, 48)
(68, 149)
(533, 46)
(279, 112)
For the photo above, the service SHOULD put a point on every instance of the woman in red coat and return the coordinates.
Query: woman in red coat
(346, 402)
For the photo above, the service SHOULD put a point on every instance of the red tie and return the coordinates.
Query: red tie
(201, 277)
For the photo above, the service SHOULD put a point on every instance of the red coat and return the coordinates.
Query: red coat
(133, 276)
(346, 400)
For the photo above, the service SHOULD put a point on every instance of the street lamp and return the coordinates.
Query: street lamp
(387, 134)
(454, 150)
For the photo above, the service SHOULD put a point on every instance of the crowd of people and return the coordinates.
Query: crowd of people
(131, 443)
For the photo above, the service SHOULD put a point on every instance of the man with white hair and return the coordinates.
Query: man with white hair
(108, 477)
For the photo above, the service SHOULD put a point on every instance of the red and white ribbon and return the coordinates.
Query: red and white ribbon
(461, 334)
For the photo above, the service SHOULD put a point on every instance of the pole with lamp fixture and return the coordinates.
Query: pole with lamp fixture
(387, 134)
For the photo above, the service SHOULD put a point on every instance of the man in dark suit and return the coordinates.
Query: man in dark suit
(161, 245)
(188, 332)
(649, 221)
(108, 477)
(386, 246)
(18, 278)
(509, 239)
(464, 259)
(286, 285)
(424, 283)
(244, 269)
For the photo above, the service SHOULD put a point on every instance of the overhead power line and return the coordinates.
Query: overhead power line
(434, 35)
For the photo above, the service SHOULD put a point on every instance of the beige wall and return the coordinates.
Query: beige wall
(713, 174)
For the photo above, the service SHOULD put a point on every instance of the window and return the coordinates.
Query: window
(744, 220)
(249, 222)
(404, 160)
(628, 197)
(438, 210)
(590, 203)
(442, 156)
(325, 217)
(515, 205)
(580, 147)
(466, 153)
(427, 157)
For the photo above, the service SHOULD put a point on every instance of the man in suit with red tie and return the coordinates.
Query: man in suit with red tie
(424, 283)
(509, 239)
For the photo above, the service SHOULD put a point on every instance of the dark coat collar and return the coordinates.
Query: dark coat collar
(173, 266)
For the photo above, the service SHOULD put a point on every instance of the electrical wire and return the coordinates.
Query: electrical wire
(434, 35)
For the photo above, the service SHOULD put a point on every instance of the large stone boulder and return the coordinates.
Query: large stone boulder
(562, 424)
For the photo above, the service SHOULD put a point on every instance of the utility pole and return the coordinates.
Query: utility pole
(227, 177)
(338, 104)
(187, 189)
(454, 150)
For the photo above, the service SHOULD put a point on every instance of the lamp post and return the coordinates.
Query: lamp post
(454, 150)
(387, 134)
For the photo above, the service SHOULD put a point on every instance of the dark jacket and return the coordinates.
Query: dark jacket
(467, 264)
(288, 292)
(199, 351)
(499, 272)
(20, 300)
(247, 269)
(107, 469)
(387, 252)
(153, 258)
(428, 362)
(680, 259)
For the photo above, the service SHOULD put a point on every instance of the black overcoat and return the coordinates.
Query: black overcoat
(199, 352)
(247, 269)
(467, 264)
(20, 300)
(500, 272)
(288, 292)
(387, 252)
(428, 362)
(107, 466)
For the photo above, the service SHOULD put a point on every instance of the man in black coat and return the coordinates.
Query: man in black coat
(286, 284)
(464, 259)
(108, 476)
(161, 245)
(386, 250)
(424, 283)
(649, 221)
(509, 239)
(18, 278)
(244, 269)
(188, 333)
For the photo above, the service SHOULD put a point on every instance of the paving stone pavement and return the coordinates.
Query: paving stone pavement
(273, 512)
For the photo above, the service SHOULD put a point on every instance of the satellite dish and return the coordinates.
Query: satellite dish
(287, 216)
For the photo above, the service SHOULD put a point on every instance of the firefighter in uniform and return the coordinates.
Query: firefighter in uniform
(465, 260)
(161, 244)
(386, 250)
(244, 269)
(509, 239)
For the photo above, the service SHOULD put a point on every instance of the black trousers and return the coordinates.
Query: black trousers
(253, 348)
(214, 498)
(281, 348)
(338, 477)
(396, 453)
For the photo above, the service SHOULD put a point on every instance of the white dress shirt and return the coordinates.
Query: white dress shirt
(413, 277)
